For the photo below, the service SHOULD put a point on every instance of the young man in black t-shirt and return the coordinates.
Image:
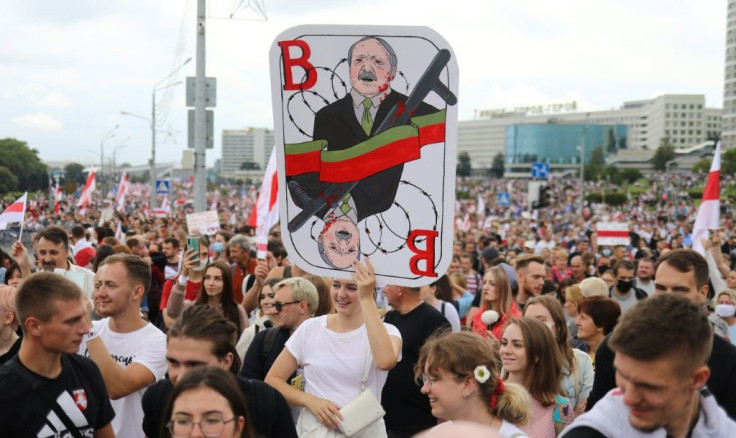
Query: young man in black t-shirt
(47, 370)
(407, 409)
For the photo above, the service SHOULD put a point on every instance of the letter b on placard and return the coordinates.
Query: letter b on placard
(309, 73)
(425, 255)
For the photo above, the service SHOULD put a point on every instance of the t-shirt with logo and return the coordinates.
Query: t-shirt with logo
(145, 346)
(79, 390)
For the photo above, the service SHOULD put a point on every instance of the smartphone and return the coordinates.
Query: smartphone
(193, 243)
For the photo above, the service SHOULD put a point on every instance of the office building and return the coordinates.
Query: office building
(251, 147)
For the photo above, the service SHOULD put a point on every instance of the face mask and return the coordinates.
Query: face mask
(624, 286)
(202, 264)
(217, 247)
(606, 252)
(725, 310)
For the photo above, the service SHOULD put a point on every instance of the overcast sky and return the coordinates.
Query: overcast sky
(68, 68)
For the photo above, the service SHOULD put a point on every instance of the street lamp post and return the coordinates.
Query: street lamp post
(582, 167)
(110, 134)
(114, 158)
(152, 123)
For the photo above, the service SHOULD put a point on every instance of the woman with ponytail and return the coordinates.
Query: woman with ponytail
(460, 375)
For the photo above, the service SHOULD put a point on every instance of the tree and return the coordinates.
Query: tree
(75, 172)
(595, 165)
(463, 164)
(728, 162)
(664, 154)
(23, 162)
(497, 168)
(702, 165)
(8, 181)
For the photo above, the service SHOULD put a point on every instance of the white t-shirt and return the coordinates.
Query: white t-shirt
(146, 346)
(450, 314)
(507, 430)
(334, 362)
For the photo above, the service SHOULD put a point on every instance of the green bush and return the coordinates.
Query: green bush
(612, 198)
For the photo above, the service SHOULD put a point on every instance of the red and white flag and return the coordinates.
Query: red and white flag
(265, 213)
(122, 189)
(613, 233)
(162, 211)
(89, 187)
(14, 213)
(57, 198)
(709, 212)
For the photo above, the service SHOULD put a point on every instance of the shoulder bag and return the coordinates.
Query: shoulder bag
(363, 410)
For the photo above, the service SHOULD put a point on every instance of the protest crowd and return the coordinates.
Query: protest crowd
(116, 324)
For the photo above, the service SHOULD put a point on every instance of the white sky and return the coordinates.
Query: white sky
(67, 68)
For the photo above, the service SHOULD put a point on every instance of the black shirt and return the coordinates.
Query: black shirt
(267, 408)
(12, 352)
(407, 409)
(79, 390)
(257, 361)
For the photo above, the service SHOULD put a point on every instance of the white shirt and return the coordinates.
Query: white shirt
(146, 346)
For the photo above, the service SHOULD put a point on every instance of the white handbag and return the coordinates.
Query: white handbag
(363, 410)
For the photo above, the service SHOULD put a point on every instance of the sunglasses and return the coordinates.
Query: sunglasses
(277, 305)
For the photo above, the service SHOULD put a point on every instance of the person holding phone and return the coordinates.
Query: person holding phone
(194, 273)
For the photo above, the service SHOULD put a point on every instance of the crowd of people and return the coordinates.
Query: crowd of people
(113, 326)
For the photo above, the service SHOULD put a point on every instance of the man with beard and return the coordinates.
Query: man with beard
(130, 352)
(623, 291)
(531, 274)
(644, 275)
(53, 253)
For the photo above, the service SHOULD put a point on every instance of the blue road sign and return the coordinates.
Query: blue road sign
(540, 170)
(504, 200)
(162, 187)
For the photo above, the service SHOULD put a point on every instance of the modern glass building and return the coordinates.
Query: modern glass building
(559, 144)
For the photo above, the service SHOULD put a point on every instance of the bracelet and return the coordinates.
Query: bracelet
(183, 280)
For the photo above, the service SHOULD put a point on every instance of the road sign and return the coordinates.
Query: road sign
(540, 170)
(504, 199)
(162, 187)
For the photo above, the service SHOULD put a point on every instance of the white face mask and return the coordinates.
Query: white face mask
(725, 310)
(202, 264)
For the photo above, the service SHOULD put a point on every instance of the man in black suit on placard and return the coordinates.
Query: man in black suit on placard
(346, 123)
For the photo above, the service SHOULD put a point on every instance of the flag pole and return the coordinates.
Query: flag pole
(23, 219)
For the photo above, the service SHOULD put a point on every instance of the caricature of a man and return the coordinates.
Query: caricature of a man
(346, 123)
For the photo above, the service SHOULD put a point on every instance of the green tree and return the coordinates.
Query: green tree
(463, 164)
(75, 172)
(702, 166)
(23, 162)
(497, 168)
(664, 153)
(728, 162)
(596, 164)
(8, 181)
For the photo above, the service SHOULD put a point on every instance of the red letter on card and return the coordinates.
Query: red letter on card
(426, 254)
(302, 61)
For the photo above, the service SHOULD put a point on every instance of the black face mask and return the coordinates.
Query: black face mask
(624, 286)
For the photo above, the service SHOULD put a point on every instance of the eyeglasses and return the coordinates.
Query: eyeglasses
(279, 305)
(211, 427)
(427, 380)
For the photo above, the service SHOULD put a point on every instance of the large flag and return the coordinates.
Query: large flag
(162, 211)
(89, 187)
(265, 213)
(613, 233)
(709, 212)
(14, 213)
(122, 189)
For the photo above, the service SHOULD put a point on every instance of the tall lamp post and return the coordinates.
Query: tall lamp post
(115, 150)
(582, 167)
(152, 123)
(110, 134)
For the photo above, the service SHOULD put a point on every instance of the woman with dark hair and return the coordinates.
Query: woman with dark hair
(577, 369)
(14, 275)
(262, 318)
(531, 359)
(598, 317)
(460, 375)
(103, 252)
(439, 295)
(207, 399)
(216, 292)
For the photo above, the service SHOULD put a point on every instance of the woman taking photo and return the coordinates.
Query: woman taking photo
(208, 400)
(439, 295)
(577, 369)
(531, 359)
(460, 375)
(339, 353)
(216, 292)
(497, 297)
(598, 316)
